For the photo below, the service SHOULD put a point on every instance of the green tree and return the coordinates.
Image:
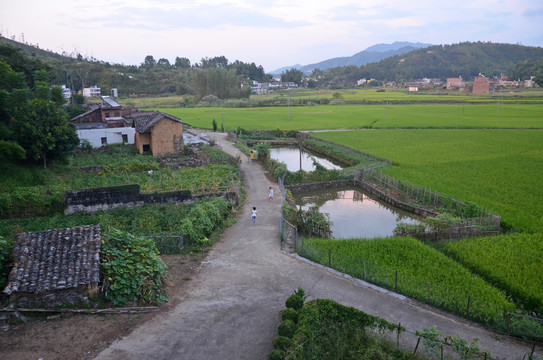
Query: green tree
(182, 63)
(292, 75)
(43, 130)
(163, 62)
(149, 61)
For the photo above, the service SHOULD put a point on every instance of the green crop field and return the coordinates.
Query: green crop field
(450, 283)
(365, 116)
(402, 95)
(499, 169)
(515, 262)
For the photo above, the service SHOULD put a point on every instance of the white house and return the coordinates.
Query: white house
(92, 91)
(105, 136)
(66, 92)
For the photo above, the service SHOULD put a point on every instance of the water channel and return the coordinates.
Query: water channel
(290, 155)
(355, 214)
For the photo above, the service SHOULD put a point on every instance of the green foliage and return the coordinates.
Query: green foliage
(290, 313)
(10, 150)
(295, 302)
(328, 330)
(442, 221)
(133, 270)
(203, 218)
(276, 354)
(263, 151)
(281, 342)
(6, 250)
(310, 222)
(286, 329)
(434, 342)
(405, 229)
(84, 145)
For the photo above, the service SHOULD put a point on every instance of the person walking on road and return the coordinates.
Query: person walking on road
(253, 215)
(252, 156)
(270, 196)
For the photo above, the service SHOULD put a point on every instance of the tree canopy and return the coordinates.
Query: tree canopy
(33, 123)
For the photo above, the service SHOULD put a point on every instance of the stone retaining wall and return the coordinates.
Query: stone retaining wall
(108, 198)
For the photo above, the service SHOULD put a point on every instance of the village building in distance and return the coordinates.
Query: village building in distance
(150, 131)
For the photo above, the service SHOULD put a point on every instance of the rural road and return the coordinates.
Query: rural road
(231, 309)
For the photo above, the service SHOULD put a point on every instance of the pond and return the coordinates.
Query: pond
(290, 155)
(355, 214)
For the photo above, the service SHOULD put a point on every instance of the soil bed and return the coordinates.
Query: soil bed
(83, 336)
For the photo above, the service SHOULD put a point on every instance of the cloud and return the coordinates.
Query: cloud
(196, 17)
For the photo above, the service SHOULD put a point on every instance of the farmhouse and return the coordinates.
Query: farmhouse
(157, 132)
(104, 124)
(55, 267)
(481, 85)
(455, 83)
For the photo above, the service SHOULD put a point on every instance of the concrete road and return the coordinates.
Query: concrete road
(231, 309)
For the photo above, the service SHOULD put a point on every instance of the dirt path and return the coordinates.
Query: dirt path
(231, 310)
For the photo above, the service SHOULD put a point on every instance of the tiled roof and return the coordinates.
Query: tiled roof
(55, 260)
(144, 121)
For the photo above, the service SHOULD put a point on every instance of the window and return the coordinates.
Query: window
(107, 115)
(147, 148)
(104, 141)
(125, 138)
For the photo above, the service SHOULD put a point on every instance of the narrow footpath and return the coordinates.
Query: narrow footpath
(231, 309)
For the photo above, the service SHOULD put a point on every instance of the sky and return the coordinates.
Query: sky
(271, 33)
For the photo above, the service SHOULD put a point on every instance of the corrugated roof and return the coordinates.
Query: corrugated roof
(110, 101)
(55, 260)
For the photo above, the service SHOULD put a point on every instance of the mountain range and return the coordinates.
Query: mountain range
(374, 53)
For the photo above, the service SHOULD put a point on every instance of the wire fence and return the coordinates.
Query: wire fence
(168, 244)
(432, 293)
(471, 215)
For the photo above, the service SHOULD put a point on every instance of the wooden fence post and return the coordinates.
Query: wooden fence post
(398, 336)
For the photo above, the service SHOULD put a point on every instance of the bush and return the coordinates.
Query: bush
(276, 354)
(405, 229)
(6, 249)
(281, 342)
(286, 329)
(133, 270)
(290, 314)
(84, 145)
(296, 300)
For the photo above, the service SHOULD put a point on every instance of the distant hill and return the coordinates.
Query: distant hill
(372, 54)
(442, 61)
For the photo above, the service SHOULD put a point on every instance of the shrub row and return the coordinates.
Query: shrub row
(325, 329)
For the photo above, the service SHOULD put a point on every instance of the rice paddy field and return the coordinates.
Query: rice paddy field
(365, 116)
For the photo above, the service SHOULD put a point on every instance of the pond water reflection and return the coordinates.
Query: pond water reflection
(354, 214)
(290, 155)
